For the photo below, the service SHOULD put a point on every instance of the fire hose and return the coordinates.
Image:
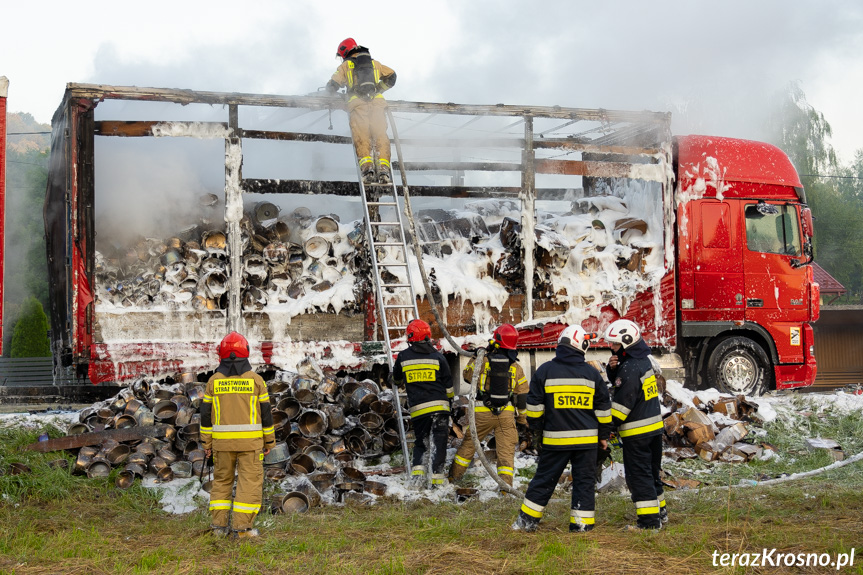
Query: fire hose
(480, 355)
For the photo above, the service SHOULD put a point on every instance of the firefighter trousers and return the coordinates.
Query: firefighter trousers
(642, 460)
(246, 503)
(368, 121)
(431, 433)
(548, 471)
(505, 442)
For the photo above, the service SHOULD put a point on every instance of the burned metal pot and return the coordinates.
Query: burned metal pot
(353, 474)
(335, 416)
(98, 467)
(125, 421)
(165, 475)
(293, 502)
(362, 399)
(372, 422)
(125, 479)
(135, 468)
(311, 493)
(347, 487)
(165, 411)
(278, 454)
(375, 488)
(78, 429)
(326, 224)
(316, 247)
(290, 406)
(306, 397)
(322, 481)
(118, 454)
(181, 469)
(313, 423)
(318, 454)
(301, 464)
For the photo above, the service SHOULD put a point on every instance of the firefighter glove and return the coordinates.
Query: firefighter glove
(332, 87)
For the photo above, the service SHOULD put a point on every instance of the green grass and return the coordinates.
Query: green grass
(52, 522)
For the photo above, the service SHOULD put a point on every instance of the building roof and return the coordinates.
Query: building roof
(828, 284)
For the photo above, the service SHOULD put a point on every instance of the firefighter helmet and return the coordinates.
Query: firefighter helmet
(345, 48)
(418, 330)
(575, 337)
(624, 332)
(233, 344)
(506, 336)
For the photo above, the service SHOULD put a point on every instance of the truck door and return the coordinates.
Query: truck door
(717, 278)
(776, 289)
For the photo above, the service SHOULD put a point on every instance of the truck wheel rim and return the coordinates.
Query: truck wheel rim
(739, 373)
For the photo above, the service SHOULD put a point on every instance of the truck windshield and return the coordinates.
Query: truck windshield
(775, 230)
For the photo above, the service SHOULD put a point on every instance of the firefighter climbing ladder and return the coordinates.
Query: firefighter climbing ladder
(396, 300)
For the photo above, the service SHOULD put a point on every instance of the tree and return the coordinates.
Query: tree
(30, 335)
(837, 203)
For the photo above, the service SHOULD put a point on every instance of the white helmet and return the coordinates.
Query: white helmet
(575, 337)
(624, 332)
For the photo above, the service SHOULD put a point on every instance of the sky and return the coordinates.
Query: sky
(716, 66)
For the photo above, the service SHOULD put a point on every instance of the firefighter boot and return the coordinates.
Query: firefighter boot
(663, 514)
(368, 172)
(246, 533)
(456, 472)
(506, 479)
(218, 531)
(525, 522)
(384, 175)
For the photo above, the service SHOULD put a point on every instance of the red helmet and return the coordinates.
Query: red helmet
(345, 47)
(234, 344)
(506, 336)
(418, 330)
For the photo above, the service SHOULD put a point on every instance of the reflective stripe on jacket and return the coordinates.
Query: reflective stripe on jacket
(568, 401)
(236, 413)
(427, 378)
(636, 409)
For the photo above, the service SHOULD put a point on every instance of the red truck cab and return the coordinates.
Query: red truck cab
(746, 293)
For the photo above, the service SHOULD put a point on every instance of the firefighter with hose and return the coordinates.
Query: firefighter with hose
(428, 382)
(237, 429)
(501, 399)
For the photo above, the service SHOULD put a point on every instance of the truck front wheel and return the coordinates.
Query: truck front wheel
(739, 365)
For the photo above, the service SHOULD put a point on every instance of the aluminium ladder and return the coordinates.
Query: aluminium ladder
(395, 300)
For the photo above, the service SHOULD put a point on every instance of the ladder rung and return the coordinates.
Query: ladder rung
(381, 203)
(386, 223)
(375, 185)
(396, 285)
(392, 265)
(398, 306)
(400, 244)
(397, 327)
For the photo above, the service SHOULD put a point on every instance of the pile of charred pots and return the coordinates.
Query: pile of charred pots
(323, 426)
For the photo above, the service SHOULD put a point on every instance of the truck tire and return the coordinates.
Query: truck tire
(738, 365)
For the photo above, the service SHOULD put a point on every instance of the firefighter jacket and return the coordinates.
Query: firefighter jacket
(235, 413)
(568, 401)
(363, 76)
(518, 386)
(427, 378)
(635, 408)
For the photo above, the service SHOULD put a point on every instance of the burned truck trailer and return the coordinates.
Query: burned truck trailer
(173, 216)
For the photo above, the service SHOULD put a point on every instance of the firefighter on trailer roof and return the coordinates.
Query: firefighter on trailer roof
(501, 398)
(637, 415)
(428, 382)
(569, 403)
(237, 429)
(366, 80)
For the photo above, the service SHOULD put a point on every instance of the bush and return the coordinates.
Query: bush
(30, 335)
